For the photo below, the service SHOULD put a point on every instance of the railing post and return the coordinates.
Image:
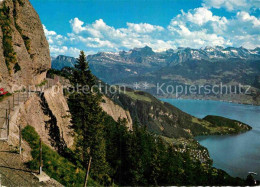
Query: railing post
(40, 161)
(8, 126)
(9, 106)
(7, 122)
(13, 101)
(20, 139)
(6, 116)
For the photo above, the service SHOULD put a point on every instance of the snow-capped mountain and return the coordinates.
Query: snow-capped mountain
(196, 64)
(147, 55)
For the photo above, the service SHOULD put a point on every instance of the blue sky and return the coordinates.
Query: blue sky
(114, 12)
(113, 25)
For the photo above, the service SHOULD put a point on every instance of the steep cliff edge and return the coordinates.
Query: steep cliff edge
(24, 50)
(48, 114)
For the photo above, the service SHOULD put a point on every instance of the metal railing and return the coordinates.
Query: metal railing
(6, 107)
(8, 104)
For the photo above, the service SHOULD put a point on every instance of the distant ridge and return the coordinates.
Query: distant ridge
(170, 56)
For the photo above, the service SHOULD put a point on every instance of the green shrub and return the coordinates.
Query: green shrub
(4, 96)
(44, 82)
(27, 43)
(17, 67)
(26, 39)
(21, 2)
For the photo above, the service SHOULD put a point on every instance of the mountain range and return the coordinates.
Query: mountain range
(146, 56)
(184, 66)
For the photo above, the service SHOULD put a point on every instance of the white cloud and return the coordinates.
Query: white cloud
(56, 43)
(143, 27)
(245, 17)
(59, 50)
(76, 25)
(195, 28)
(48, 33)
(232, 5)
(244, 30)
(198, 27)
(100, 35)
(200, 16)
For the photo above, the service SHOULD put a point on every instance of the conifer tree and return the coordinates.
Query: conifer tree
(88, 120)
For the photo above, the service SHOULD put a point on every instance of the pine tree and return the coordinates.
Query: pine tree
(82, 74)
(88, 120)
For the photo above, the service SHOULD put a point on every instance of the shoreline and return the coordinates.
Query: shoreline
(209, 141)
(207, 99)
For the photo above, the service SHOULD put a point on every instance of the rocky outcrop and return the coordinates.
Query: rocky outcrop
(116, 111)
(25, 57)
(58, 106)
(48, 114)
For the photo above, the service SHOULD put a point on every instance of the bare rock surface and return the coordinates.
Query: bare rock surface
(116, 111)
(57, 103)
(47, 112)
(33, 59)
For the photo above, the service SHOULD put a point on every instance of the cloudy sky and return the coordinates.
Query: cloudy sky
(114, 25)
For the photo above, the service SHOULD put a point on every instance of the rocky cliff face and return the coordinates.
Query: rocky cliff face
(24, 50)
(49, 114)
(116, 112)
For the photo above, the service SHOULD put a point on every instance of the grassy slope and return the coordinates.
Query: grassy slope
(56, 166)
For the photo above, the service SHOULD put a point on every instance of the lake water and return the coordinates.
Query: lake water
(236, 154)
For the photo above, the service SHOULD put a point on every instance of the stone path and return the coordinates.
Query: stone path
(14, 172)
(12, 169)
(8, 104)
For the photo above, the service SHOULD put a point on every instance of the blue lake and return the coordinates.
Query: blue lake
(236, 154)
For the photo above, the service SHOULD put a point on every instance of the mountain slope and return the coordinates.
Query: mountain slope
(164, 119)
(62, 61)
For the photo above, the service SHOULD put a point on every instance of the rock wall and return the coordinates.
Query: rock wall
(116, 111)
(58, 106)
(48, 114)
(29, 44)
